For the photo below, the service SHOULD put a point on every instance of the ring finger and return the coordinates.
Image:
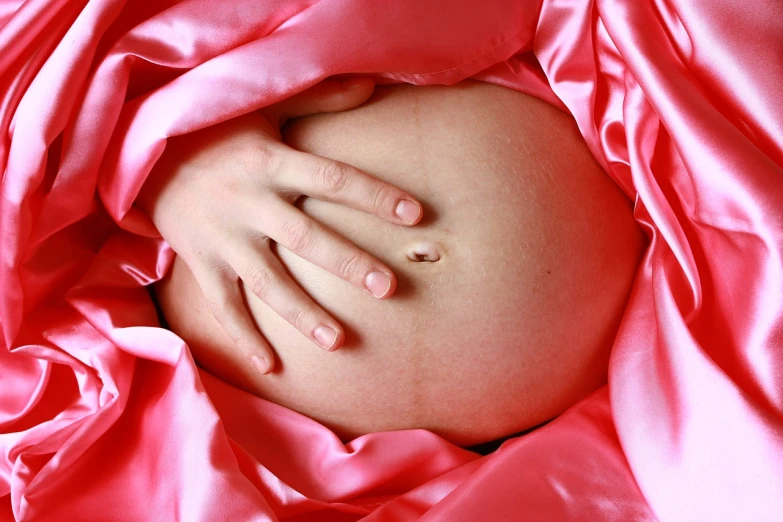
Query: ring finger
(312, 241)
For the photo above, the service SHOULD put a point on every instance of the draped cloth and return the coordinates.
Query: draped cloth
(104, 415)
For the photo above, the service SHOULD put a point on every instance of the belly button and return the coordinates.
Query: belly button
(424, 252)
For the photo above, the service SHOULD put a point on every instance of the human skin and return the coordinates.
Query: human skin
(509, 292)
(222, 196)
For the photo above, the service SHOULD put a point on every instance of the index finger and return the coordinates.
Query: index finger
(338, 182)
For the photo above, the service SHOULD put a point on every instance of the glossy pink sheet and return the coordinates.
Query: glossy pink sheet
(104, 416)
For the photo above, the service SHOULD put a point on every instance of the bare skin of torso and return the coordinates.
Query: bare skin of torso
(510, 291)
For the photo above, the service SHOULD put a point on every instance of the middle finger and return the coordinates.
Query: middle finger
(314, 242)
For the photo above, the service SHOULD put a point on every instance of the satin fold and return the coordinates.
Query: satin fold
(104, 415)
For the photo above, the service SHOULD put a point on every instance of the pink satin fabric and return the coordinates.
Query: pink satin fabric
(103, 415)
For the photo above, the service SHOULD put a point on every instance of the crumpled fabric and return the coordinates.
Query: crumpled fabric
(103, 414)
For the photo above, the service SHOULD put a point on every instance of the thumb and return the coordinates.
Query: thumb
(327, 96)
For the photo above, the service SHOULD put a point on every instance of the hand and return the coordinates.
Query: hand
(222, 195)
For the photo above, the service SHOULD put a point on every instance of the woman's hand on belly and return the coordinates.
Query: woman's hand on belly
(222, 195)
(509, 292)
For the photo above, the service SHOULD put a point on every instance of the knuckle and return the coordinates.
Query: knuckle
(350, 266)
(242, 339)
(260, 281)
(264, 159)
(332, 176)
(382, 199)
(219, 309)
(298, 318)
(298, 234)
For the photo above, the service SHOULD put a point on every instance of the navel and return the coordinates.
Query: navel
(424, 252)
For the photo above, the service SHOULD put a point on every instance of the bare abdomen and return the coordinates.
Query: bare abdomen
(509, 292)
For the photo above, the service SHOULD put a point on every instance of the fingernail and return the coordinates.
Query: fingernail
(352, 83)
(408, 211)
(378, 283)
(260, 363)
(325, 336)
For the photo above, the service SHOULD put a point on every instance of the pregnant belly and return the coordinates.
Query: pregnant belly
(509, 292)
